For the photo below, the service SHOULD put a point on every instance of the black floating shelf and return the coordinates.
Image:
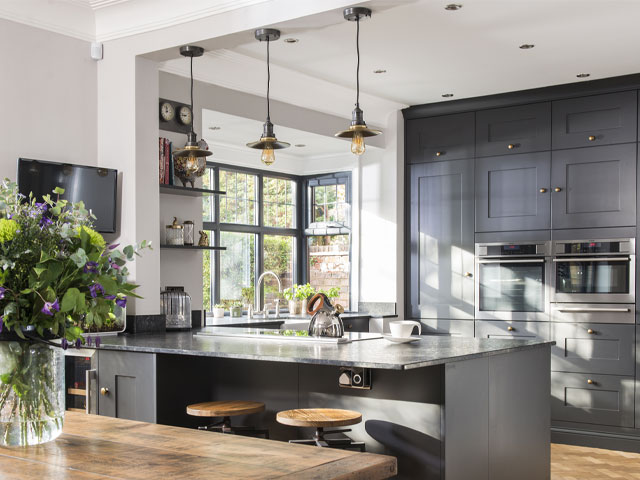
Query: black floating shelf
(192, 247)
(187, 191)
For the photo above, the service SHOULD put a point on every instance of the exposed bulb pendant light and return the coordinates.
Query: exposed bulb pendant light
(268, 141)
(358, 129)
(190, 159)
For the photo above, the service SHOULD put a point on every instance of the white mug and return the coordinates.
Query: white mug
(403, 328)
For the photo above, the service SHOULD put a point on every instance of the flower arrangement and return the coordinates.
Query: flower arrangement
(58, 278)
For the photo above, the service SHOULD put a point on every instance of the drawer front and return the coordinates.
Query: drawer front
(593, 348)
(593, 313)
(595, 120)
(453, 328)
(512, 330)
(449, 137)
(356, 324)
(606, 400)
(520, 129)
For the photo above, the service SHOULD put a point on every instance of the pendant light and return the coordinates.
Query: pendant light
(190, 159)
(358, 129)
(268, 141)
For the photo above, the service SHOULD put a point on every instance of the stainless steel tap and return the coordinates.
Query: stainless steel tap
(259, 308)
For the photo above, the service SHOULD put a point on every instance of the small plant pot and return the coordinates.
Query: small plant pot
(303, 306)
(294, 307)
(218, 313)
(235, 312)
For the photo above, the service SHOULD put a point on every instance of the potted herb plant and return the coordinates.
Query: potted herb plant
(57, 277)
(303, 293)
(290, 295)
(333, 292)
(218, 310)
(235, 308)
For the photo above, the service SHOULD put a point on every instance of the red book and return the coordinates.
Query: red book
(161, 159)
(167, 155)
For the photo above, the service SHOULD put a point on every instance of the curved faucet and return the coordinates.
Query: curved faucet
(258, 290)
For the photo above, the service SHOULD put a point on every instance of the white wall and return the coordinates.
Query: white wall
(48, 98)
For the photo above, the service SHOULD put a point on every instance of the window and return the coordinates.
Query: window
(266, 224)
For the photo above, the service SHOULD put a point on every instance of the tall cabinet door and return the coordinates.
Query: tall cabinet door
(127, 385)
(512, 192)
(594, 187)
(441, 240)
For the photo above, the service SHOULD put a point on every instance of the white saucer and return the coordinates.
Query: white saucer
(400, 339)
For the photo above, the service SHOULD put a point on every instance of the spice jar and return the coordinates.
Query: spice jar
(175, 233)
(188, 232)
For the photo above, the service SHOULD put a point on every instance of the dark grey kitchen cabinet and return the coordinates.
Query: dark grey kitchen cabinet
(602, 348)
(594, 187)
(519, 129)
(448, 328)
(441, 236)
(127, 385)
(449, 137)
(512, 329)
(595, 399)
(512, 192)
(595, 120)
(356, 324)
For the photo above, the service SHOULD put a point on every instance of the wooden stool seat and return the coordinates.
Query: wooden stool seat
(318, 417)
(224, 408)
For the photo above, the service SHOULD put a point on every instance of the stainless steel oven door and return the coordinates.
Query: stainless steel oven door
(512, 288)
(594, 279)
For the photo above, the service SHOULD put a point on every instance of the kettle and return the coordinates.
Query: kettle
(326, 320)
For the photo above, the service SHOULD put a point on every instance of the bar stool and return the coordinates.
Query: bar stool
(320, 418)
(226, 410)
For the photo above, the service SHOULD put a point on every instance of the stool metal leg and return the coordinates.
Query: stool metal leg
(320, 440)
(225, 426)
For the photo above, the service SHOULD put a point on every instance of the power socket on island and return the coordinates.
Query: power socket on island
(355, 377)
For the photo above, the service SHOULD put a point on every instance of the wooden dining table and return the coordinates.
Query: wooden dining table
(97, 447)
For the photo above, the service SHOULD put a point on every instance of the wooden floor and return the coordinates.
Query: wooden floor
(569, 462)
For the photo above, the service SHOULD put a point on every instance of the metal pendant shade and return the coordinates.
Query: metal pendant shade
(268, 141)
(358, 129)
(190, 160)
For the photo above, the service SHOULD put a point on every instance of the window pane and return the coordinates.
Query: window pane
(279, 205)
(279, 259)
(238, 205)
(208, 275)
(237, 264)
(208, 212)
(329, 265)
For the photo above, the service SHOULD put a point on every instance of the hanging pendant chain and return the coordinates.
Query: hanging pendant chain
(358, 64)
(191, 93)
(268, 81)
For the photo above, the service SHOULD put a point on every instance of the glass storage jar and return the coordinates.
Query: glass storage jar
(175, 303)
(175, 233)
(188, 232)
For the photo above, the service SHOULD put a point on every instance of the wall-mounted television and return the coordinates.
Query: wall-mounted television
(97, 187)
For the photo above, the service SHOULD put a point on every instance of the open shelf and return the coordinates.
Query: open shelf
(81, 392)
(187, 191)
(192, 247)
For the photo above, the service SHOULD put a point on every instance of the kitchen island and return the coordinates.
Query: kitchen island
(446, 407)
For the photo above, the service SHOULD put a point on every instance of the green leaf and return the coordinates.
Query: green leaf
(109, 284)
(81, 305)
(70, 299)
(58, 190)
(128, 251)
(39, 270)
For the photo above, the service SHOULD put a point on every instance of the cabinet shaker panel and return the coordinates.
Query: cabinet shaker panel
(434, 139)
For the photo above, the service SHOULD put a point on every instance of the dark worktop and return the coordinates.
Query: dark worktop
(379, 353)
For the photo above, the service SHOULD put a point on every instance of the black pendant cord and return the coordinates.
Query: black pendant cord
(358, 63)
(191, 106)
(268, 82)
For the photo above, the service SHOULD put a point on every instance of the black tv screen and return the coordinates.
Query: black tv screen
(95, 186)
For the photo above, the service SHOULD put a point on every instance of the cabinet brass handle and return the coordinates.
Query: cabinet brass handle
(591, 331)
(104, 391)
(468, 274)
(511, 146)
(438, 154)
(510, 328)
(591, 382)
(543, 190)
(557, 189)
(591, 138)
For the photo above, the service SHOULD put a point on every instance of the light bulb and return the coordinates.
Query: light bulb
(268, 156)
(357, 143)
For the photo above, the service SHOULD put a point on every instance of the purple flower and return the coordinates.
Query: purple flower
(78, 343)
(115, 265)
(64, 344)
(98, 342)
(45, 222)
(89, 341)
(114, 246)
(93, 289)
(42, 206)
(110, 297)
(50, 307)
(2, 290)
(121, 302)
(90, 267)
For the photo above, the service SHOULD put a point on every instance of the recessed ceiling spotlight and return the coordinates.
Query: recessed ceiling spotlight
(453, 6)
(380, 70)
(291, 40)
(300, 145)
(583, 75)
(447, 95)
(214, 128)
(526, 46)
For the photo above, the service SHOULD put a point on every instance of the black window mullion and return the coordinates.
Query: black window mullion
(216, 233)
(260, 238)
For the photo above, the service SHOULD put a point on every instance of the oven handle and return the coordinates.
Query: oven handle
(588, 310)
(528, 260)
(592, 259)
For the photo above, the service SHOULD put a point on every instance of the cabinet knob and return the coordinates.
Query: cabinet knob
(104, 391)
(591, 138)
(543, 190)
(591, 382)
(439, 154)
(468, 274)
(511, 146)
(511, 329)
(591, 331)
(557, 189)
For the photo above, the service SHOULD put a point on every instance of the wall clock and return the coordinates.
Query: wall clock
(184, 115)
(175, 116)
(167, 112)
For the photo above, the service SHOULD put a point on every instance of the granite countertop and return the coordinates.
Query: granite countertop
(429, 351)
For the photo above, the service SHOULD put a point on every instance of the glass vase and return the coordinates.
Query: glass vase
(31, 392)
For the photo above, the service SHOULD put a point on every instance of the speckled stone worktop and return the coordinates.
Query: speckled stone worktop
(379, 353)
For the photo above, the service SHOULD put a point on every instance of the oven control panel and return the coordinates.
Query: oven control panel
(594, 247)
(512, 249)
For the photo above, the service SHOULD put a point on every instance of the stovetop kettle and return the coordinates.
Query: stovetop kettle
(326, 321)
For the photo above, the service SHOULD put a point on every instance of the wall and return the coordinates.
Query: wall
(48, 98)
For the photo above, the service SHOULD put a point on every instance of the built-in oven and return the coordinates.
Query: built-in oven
(594, 271)
(512, 281)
